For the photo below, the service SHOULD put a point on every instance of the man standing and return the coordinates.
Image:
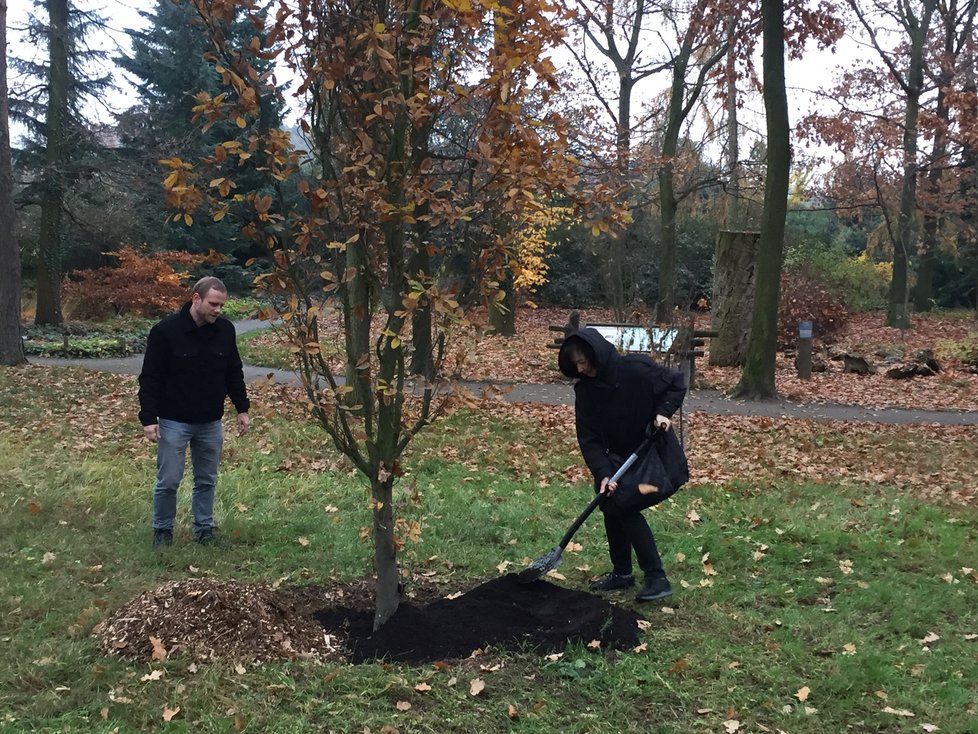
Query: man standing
(191, 366)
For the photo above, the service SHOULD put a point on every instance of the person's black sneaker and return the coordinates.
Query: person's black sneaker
(613, 582)
(655, 587)
(162, 538)
(209, 536)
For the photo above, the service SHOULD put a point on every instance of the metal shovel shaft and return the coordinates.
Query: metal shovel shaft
(547, 563)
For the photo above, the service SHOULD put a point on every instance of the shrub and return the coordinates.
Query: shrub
(806, 298)
(143, 285)
(856, 280)
(962, 350)
(860, 283)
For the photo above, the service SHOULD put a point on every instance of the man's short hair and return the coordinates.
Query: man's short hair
(208, 283)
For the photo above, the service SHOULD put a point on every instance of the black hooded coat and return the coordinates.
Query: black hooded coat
(614, 408)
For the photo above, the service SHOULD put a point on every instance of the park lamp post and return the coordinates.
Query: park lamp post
(804, 359)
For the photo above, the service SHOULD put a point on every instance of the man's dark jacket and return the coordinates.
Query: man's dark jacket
(614, 408)
(188, 370)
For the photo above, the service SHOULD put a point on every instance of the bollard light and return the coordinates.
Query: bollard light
(804, 359)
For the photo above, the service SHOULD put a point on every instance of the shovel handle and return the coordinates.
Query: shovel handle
(599, 498)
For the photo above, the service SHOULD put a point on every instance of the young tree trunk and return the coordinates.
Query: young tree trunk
(757, 378)
(732, 308)
(49, 239)
(385, 553)
(11, 343)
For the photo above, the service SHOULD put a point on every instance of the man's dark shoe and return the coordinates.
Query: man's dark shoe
(655, 587)
(209, 536)
(613, 582)
(162, 538)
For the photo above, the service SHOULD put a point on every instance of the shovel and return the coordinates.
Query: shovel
(547, 563)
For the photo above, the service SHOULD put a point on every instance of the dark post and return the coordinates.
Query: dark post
(804, 359)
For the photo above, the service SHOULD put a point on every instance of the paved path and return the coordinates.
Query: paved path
(707, 401)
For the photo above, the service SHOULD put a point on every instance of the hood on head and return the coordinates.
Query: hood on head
(598, 350)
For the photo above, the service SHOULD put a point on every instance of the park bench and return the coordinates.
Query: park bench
(676, 346)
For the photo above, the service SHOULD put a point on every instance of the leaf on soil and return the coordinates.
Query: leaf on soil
(402, 706)
(594, 645)
(476, 686)
(640, 648)
(554, 656)
(159, 651)
(422, 687)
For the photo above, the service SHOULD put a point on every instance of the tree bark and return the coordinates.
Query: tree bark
(757, 377)
(52, 197)
(732, 308)
(385, 554)
(11, 343)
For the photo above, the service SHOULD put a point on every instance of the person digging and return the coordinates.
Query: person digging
(616, 398)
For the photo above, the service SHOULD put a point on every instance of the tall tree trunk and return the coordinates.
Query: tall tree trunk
(968, 186)
(667, 240)
(732, 308)
(732, 199)
(904, 242)
(502, 310)
(52, 196)
(757, 378)
(618, 245)
(11, 343)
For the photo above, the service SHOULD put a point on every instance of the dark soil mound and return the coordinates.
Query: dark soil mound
(501, 612)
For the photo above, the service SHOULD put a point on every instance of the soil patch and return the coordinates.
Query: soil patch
(209, 620)
(500, 613)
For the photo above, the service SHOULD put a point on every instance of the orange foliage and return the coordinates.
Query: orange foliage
(143, 285)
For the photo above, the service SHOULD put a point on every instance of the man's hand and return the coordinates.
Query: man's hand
(607, 486)
(244, 423)
(152, 433)
(662, 423)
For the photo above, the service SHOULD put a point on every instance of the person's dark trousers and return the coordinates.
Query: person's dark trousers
(627, 530)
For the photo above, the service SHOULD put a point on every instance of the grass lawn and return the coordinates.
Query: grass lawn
(805, 602)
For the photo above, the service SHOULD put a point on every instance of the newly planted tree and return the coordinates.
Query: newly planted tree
(421, 149)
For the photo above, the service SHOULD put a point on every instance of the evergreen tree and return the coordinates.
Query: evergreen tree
(61, 141)
(170, 63)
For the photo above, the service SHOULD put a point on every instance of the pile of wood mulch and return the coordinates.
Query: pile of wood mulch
(209, 619)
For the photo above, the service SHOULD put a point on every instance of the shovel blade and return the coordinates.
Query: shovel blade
(540, 567)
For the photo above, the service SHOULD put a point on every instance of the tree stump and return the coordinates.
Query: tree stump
(734, 269)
